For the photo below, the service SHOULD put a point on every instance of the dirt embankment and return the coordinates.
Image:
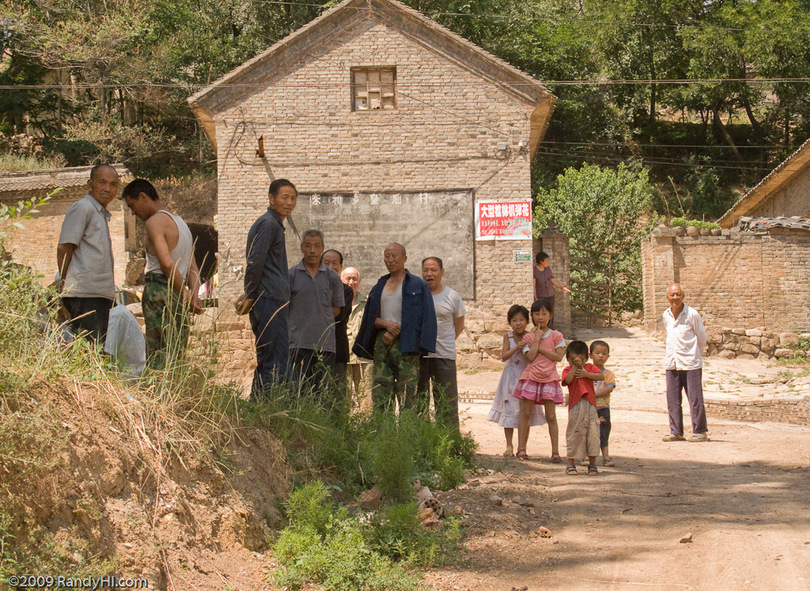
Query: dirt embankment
(103, 485)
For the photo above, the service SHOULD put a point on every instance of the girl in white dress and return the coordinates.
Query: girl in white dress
(505, 408)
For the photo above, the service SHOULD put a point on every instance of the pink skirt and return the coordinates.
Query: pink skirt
(539, 392)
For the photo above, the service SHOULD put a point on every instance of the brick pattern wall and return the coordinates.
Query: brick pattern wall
(443, 136)
(794, 412)
(789, 200)
(35, 246)
(739, 279)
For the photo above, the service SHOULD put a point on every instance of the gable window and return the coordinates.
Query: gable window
(374, 88)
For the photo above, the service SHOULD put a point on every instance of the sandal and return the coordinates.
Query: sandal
(556, 459)
(592, 470)
(521, 454)
(508, 453)
(571, 470)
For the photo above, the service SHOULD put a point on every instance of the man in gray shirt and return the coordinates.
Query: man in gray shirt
(316, 297)
(84, 256)
(440, 367)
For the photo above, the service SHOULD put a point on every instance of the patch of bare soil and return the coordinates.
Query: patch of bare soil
(117, 492)
(740, 502)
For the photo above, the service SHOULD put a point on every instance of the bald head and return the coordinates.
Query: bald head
(351, 277)
(395, 257)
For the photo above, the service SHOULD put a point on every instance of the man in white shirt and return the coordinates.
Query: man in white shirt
(440, 367)
(684, 366)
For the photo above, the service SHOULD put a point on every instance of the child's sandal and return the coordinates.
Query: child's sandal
(521, 454)
(556, 459)
(592, 470)
(571, 470)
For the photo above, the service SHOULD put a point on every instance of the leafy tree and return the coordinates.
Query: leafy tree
(601, 210)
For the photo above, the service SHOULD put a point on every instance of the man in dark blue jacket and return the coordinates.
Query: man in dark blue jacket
(398, 324)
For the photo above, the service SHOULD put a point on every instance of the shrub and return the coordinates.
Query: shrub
(699, 224)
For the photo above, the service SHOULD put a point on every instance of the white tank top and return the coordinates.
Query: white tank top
(181, 254)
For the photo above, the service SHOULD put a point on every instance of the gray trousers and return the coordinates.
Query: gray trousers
(691, 381)
(442, 372)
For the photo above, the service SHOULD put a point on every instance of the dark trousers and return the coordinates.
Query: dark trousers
(89, 315)
(604, 425)
(692, 382)
(310, 371)
(270, 322)
(442, 372)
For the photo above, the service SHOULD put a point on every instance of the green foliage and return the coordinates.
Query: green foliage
(358, 451)
(601, 211)
(399, 534)
(699, 224)
(324, 546)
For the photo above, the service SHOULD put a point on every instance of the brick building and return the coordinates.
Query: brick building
(393, 128)
(784, 192)
(35, 245)
(749, 281)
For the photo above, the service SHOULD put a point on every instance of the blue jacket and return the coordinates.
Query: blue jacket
(418, 334)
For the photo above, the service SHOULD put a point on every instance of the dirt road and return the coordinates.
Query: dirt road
(744, 496)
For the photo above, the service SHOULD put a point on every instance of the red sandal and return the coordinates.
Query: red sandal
(521, 454)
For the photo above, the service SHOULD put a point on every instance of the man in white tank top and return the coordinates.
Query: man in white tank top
(171, 280)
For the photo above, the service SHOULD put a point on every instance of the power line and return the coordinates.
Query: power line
(191, 87)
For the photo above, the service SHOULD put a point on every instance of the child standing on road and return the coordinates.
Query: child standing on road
(505, 408)
(582, 435)
(600, 351)
(540, 383)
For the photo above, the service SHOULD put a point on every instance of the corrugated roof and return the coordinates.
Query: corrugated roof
(47, 180)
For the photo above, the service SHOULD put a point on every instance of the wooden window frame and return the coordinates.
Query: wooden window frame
(371, 85)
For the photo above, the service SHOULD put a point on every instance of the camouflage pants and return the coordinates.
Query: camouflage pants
(166, 322)
(395, 376)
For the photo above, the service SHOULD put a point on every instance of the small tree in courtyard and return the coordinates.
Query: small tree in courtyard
(602, 212)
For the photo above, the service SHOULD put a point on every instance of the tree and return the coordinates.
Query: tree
(601, 211)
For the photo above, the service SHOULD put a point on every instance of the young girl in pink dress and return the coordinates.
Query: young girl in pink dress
(506, 408)
(540, 383)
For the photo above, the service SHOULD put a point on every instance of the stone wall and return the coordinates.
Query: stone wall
(755, 342)
(743, 280)
(794, 412)
(444, 135)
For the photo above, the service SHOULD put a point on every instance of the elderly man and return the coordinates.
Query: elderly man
(334, 260)
(267, 287)
(84, 256)
(398, 325)
(357, 368)
(316, 299)
(440, 367)
(684, 366)
(171, 280)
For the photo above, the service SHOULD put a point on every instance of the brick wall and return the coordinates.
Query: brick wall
(791, 199)
(739, 279)
(442, 137)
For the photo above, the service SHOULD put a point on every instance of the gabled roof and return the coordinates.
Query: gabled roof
(48, 180)
(778, 177)
(296, 46)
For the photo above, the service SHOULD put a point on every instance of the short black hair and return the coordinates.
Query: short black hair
(97, 167)
(139, 186)
(515, 310)
(437, 259)
(542, 303)
(277, 184)
(337, 252)
(540, 257)
(596, 344)
(576, 348)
